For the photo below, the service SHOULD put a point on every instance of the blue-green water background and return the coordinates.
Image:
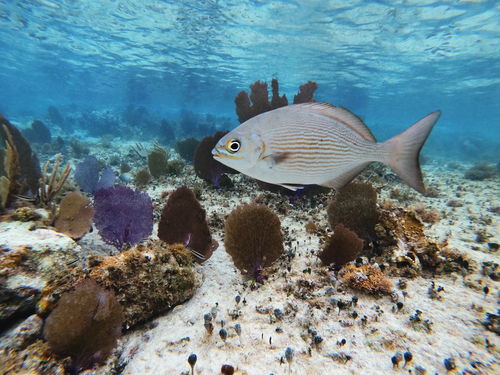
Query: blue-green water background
(391, 62)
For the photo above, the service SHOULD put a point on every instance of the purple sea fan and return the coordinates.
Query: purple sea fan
(123, 215)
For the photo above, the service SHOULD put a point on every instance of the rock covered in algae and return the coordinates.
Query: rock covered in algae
(27, 260)
(147, 280)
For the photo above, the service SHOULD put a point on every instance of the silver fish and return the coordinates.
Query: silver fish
(317, 143)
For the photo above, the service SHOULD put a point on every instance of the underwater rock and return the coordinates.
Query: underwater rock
(147, 280)
(27, 260)
(409, 251)
(183, 220)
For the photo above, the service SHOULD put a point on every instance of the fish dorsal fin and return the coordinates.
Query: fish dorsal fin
(342, 115)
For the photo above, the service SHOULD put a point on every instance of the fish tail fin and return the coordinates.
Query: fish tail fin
(404, 151)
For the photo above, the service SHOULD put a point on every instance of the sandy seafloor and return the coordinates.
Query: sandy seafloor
(163, 345)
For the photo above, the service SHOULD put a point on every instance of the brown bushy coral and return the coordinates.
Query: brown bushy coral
(253, 237)
(85, 324)
(183, 220)
(342, 247)
(75, 215)
(367, 278)
(355, 206)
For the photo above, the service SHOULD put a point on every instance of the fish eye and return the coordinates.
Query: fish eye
(233, 145)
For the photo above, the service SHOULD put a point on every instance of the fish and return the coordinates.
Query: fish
(319, 144)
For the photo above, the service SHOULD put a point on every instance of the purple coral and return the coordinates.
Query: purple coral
(123, 215)
(87, 175)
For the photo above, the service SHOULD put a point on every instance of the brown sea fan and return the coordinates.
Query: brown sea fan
(342, 247)
(253, 236)
(85, 324)
(183, 220)
(75, 215)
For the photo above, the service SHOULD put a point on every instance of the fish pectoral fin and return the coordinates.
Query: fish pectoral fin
(343, 179)
(277, 157)
(291, 187)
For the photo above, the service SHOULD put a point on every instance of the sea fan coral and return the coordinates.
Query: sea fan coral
(205, 166)
(253, 237)
(75, 215)
(186, 148)
(85, 324)
(157, 162)
(367, 278)
(87, 175)
(306, 93)
(123, 215)
(342, 247)
(183, 220)
(355, 206)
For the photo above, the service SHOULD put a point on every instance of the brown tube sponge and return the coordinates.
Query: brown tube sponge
(253, 237)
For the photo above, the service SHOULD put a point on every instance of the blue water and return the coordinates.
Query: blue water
(391, 62)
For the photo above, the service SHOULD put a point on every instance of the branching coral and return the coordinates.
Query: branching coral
(183, 220)
(85, 324)
(355, 206)
(306, 93)
(253, 237)
(52, 184)
(75, 215)
(367, 278)
(342, 247)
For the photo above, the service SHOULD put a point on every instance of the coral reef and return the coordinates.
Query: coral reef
(253, 237)
(306, 93)
(25, 214)
(342, 247)
(84, 325)
(123, 215)
(75, 215)
(55, 116)
(355, 206)
(206, 167)
(183, 220)
(367, 278)
(166, 133)
(19, 166)
(480, 171)
(147, 280)
(186, 148)
(258, 102)
(157, 161)
(38, 133)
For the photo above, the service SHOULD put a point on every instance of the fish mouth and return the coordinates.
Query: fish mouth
(216, 153)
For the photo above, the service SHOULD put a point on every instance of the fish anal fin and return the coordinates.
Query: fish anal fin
(343, 115)
(343, 179)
